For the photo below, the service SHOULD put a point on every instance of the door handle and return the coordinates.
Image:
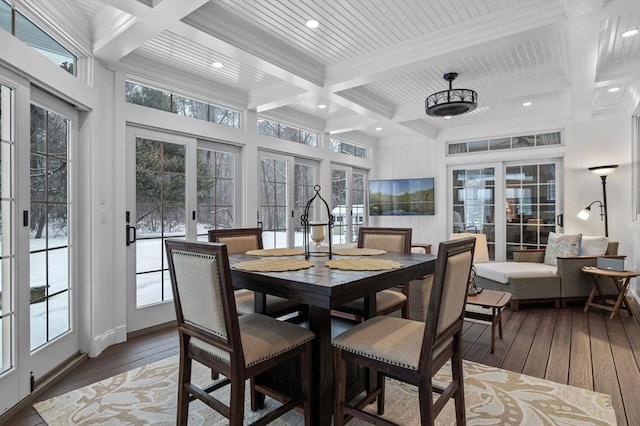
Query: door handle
(560, 220)
(131, 236)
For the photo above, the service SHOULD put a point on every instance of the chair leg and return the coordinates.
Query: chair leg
(381, 396)
(184, 377)
(425, 399)
(340, 377)
(236, 402)
(307, 389)
(405, 311)
(457, 376)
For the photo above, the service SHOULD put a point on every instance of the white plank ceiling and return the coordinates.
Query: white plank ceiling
(373, 62)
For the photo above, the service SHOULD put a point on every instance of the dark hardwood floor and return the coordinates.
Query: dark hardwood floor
(563, 345)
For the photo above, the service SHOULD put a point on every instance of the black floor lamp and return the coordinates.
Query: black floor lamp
(603, 172)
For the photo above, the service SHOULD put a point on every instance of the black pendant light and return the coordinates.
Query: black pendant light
(451, 102)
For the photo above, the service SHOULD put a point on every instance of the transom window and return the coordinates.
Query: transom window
(286, 132)
(171, 102)
(514, 142)
(349, 148)
(21, 27)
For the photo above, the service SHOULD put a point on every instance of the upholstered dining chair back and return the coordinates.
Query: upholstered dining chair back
(239, 348)
(412, 351)
(241, 240)
(238, 240)
(393, 240)
(449, 289)
(203, 296)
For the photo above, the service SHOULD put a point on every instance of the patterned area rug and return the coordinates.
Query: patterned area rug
(147, 396)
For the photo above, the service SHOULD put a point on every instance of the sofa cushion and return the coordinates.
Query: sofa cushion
(593, 246)
(561, 245)
(502, 271)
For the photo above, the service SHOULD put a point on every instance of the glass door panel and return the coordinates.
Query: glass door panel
(474, 203)
(530, 200)
(7, 255)
(305, 179)
(216, 182)
(49, 242)
(160, 214)
(273, 201)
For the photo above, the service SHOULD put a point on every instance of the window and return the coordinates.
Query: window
(528, 141)
(273, 201)
(347, 203)
(170, 102)
(338, 145)
(305, 178)
(474, 203)
(49, 242)
(530, 203)
(216, 190)
(286, 132)
(29, 33)
(160, 213)
(7, 255)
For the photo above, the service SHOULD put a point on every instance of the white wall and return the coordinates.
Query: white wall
(596, 142)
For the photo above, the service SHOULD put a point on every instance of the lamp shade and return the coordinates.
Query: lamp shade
(603, 170)
(584, 213)
(481, 252)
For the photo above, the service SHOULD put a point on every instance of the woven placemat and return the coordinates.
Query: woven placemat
(273, 265)
(276, 252)
(358, 252)
(362, 264)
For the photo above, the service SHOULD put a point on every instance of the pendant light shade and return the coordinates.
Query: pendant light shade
(451, 102)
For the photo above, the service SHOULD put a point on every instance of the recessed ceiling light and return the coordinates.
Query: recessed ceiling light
(322, 106)
(447, 117)
(527, 103)
(378, 128)
(614, 89)
(312, 23)
(629, 33)
(217, 64)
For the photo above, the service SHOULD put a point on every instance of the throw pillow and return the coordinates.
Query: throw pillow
(593, 246)
(561, 245)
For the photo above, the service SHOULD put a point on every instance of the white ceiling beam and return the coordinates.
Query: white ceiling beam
(583, 62)
(112, 47)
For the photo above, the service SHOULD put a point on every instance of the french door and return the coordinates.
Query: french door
(39, 323)
(285, 185)
(524, 196)
(177, 187)
(347, 203)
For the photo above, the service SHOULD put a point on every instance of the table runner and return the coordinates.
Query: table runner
(273, 265)
(276, 252)
(362, 264)
(358, 252)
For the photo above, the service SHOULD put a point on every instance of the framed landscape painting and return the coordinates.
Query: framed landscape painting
(401, 197)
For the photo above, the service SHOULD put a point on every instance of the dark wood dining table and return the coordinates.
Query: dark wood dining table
(322, 289)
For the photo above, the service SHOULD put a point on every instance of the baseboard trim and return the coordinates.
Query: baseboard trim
(102, 342)
(44, 385)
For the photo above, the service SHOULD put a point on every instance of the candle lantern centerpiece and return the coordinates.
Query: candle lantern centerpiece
(316, 231)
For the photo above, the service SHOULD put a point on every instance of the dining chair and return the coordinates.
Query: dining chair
(394, 240)
(241, 240)
(238, 347)
(412, 351)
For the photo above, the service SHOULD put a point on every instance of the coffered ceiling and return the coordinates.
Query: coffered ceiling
(372, 63)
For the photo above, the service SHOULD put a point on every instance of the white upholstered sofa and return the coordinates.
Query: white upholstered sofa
(549, 275)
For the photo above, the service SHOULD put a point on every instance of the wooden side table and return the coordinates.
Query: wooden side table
(490, 299)
(621, 280)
